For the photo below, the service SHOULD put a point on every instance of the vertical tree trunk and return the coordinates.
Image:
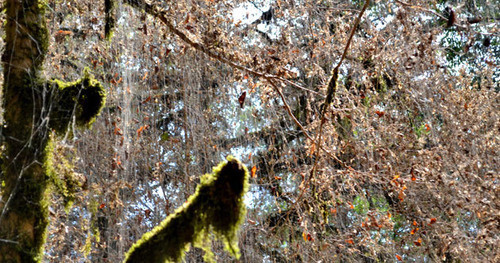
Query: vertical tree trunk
(33, 107)
(23, 207)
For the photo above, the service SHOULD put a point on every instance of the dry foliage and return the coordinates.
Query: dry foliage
(408, 167)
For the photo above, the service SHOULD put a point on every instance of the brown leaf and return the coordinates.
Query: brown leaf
(418, 242)
(241, 99)
(146, 100)
(380, 113)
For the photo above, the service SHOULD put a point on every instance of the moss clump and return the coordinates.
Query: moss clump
(59, 167)
(83, 98)
(216, 206)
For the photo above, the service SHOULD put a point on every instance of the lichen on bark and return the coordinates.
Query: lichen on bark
(216, 207)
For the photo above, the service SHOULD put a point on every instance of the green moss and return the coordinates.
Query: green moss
(32, 165)
(60, 170)
(32, 188)
(361, 205)
(42, 221)
(380, 204)
(83, 98)
(216, 207)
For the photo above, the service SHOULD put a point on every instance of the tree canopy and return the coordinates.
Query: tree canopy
(370, 129)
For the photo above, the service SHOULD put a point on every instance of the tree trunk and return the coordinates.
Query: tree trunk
(24, 207)
(33, 107)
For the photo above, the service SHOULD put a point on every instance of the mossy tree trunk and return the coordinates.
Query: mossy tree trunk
(33, 108)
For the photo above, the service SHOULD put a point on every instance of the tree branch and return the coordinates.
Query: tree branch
(332, 88)
(465, 28)
(152, 10)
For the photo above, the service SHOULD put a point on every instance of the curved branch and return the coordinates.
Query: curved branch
(152, 10)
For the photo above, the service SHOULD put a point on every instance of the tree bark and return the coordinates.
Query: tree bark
(33, 107)
(23, 207)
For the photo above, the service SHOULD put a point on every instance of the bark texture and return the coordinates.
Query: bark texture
(33, 107)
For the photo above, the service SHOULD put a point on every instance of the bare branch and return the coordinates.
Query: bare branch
(332, 88)
(442, 17)
(152, 10)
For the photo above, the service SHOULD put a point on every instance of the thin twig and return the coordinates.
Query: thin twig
(9, 241)
(14, 191)
(332, 88)
(162, 16)
(421, 8)
(269, 77)
(332, 84)
(287, 107)
(442, 17)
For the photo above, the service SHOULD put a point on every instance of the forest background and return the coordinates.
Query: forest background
(395, 162)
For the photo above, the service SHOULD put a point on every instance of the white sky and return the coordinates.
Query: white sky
(247, 13)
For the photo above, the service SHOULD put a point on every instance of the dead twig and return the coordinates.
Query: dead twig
(162, 16)
(332, 88)
(466, 28)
